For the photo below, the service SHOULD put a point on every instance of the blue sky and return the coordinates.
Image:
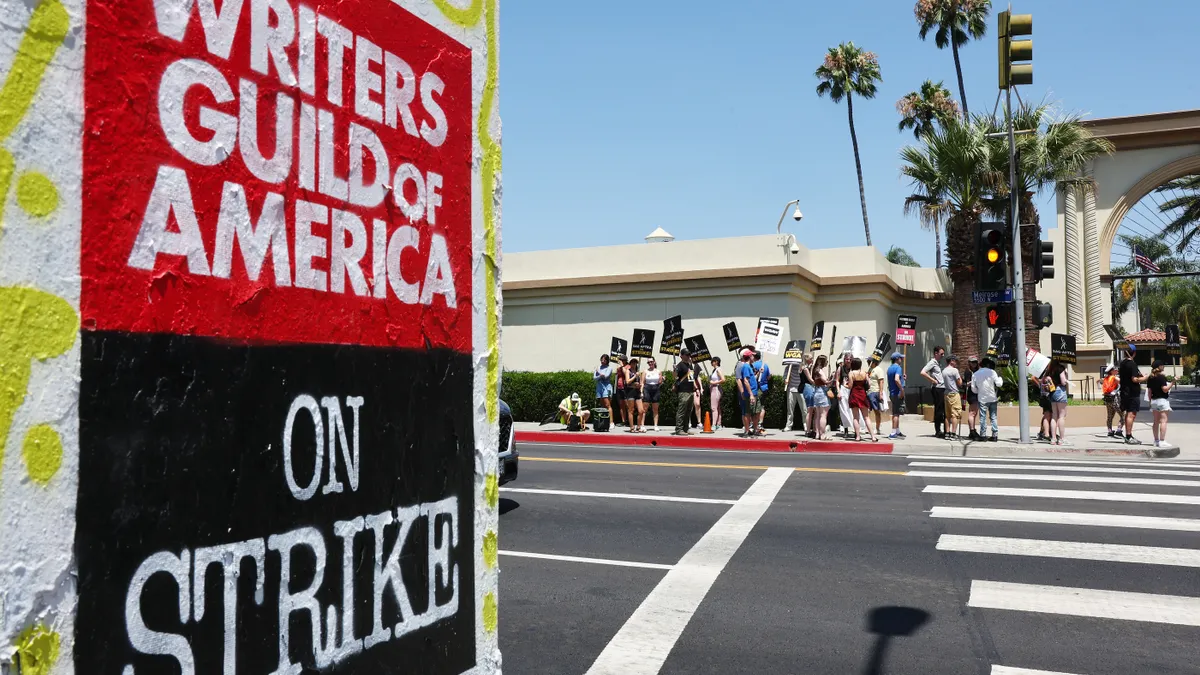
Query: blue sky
(701, 117)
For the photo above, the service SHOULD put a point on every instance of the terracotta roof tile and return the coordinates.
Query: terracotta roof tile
(1150, 335)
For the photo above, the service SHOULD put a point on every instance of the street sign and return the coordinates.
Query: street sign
(906, 330)
(990, 297)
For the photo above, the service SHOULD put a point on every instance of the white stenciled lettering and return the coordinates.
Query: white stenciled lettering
(271, 40)
(149, 641)
(171, 195)
(177, 80)
(439, 278)
(337, 437)
(303, 402)
(345, 260)
(304, 600)
(309, 245)
(436, 135)
(387, 574)
(347, 644)
(276, 169)
(405, 236)
(229, 557)
(442, 521)
(234, 223)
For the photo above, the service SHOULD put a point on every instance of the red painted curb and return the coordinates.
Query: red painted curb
(799, 444)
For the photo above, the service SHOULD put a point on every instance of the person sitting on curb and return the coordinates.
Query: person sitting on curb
(570, 409)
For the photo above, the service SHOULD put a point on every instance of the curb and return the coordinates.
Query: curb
(970, 450)
(701, 441)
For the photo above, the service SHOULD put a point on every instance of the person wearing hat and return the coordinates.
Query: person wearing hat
(685, 386)
(986, 384)
(1130, 392)
(748, 393)
(572, 407)
(933, 373)
(895, 379)
(1109, 384)
(953, 383)
(1160, 402)
(972, 397)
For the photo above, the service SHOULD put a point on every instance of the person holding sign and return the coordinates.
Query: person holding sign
(763, 373)
(1112, 410)
(821, 396)
(858, 399)
(633, 397)
(1131, 393)
(715, 380)
(684, 387)
(877, 391)
(1160, 402)
(651, 388)
(796, 379)
(895, 379)
(747, 386)
(1056, 384)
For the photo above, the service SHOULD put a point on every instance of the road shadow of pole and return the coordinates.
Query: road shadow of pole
(887, 623)
(507, 505)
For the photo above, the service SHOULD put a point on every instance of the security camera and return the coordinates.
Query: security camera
(795, 247)
(797, 216)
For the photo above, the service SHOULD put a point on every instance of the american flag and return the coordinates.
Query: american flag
(1141, 259)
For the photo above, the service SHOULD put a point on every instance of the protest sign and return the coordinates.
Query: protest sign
(1062, 348)
(794, 353)
(856, 345)
(1036, 362)
(882, 346)
(1002, 347)
(1118, 339)
(1174, 344)
(906, 329)
(698, 348)
(672, 338)
(620, 349)
(732, 341)
(818, 335)
(768, 338)
(643, 343)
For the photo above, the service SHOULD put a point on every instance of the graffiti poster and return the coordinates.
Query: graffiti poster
(278, 391)
(643, 343)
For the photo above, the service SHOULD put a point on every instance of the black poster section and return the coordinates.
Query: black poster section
(732, 341)
(184, 467)
(672, 336)
(698, 348)
(793, 354)
(882, 346)
(1174, 345)
(620, 349)
(1118, 340)
(818, 335)
(643, 343)
(1062, 348)
(1002, 346)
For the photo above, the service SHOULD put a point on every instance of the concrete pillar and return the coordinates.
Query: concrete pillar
(1091, 249)
(1074, 270)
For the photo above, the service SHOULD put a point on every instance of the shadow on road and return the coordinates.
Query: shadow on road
(887, 623)
(507, 505)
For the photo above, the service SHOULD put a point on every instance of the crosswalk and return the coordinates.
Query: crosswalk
(1078, 541)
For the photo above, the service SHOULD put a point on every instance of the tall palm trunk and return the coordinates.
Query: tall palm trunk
(937, 245)
(862, 191)
(960, 250)
(962, 90)
(1029, 238)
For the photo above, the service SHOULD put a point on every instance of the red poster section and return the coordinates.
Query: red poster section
(274, 171)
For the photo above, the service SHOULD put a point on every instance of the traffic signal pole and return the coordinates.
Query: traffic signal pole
(1018, 275)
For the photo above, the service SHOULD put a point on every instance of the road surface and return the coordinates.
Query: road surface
(847, 564)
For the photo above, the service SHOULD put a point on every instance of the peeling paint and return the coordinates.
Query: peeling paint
(36, 194)
(43, 453)
(489, 612)
(37, 649)
(491, 490)
(491, 549)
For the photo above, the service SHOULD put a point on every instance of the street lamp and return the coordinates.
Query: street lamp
(796, 215)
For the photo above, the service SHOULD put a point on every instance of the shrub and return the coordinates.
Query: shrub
(1008, 391)
(535, 396)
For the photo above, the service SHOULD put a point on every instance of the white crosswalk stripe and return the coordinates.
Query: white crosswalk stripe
(1118, 537)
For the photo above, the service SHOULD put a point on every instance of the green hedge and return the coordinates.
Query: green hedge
(535, 396)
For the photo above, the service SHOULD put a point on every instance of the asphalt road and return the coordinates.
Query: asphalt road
(846, 564)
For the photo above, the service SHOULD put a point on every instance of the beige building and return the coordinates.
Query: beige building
(562, 308)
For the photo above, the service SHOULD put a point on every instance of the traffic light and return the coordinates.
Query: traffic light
(1043, 315)
(1012, 51)
(991, 258)
(1043, 260)
(1000, 316)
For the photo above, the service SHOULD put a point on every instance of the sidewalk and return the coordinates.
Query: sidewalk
(1185, 441)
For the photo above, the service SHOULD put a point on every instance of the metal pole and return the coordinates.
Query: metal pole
(1018, 276)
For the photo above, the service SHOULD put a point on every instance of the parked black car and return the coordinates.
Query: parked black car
(508, 446)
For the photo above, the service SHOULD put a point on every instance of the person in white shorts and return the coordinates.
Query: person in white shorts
(1159, 390)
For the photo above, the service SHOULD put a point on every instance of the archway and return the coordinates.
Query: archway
(1132, 212)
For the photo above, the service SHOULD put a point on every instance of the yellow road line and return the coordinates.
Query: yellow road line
(707, 466)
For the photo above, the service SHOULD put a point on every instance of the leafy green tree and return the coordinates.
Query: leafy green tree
(953, 23)
(899, 256)
(951, 173)
(1187, 224)
(846, 72)
(1160, 301)
(1053, 155)
(920, 110)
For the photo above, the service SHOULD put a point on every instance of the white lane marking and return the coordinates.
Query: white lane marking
(1066, 518)
(593, 561)
(644, 642)
(1043, 467)
(1141, 497)
(1009, 670)
(1056, 479)
(1149, 607)
(1075, 550)
(620, 495)
(1039, 460)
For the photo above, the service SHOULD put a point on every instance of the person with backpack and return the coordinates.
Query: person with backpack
(747, 387)
(1109, 386)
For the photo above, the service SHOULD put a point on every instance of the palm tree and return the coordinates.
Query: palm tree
(1186, 223)
(1053, 155)
(920, 110)
(848, 70)
(955, 23)
(951, 173)
(899, 256)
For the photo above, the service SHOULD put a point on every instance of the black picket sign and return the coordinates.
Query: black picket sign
(672, 338)
(732, 341)
(698, 348)
(620, 349)
(643, 343)
(818, 335)
(1062, 348)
